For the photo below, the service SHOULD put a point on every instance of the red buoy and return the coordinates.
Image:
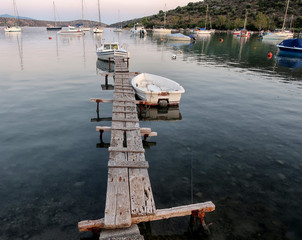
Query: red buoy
(50, 38)
(269, 55)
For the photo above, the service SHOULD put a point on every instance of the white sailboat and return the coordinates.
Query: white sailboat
(83, 28)
(202, 31)
(14, 28)
(98, 29)
(118, 28)
(283, 34)
(163, 29)
(54, 28)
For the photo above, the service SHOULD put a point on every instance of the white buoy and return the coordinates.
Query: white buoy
(173, 56)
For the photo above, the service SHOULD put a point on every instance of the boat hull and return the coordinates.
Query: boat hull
(110, 55)
(12, 29)
(153, 89)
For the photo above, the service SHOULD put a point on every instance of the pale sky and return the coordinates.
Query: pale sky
(72, 9)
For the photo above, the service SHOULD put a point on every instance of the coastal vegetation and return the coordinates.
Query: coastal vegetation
(222, 15)
(225, 15)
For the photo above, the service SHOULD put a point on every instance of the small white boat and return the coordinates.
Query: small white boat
(178, 37)
(138, 29)
(12, 29)
(98, 30)
(70, 30)
(108, 51)
(157, 90)
(117, 29)
(202, 31)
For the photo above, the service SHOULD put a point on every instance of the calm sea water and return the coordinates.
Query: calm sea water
(235, 139)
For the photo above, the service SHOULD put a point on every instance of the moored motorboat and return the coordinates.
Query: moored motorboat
(70, 30)
(108, 51)
(291, 46)
(157, 90)
(178, 37)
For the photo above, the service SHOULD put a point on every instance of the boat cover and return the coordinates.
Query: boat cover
(179, 35)
(295, 42)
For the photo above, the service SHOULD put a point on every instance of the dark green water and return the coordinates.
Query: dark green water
(235, 140)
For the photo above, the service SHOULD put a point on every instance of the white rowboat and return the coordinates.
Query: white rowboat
(157, 90)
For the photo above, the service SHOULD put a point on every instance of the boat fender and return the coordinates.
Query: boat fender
(163, 103)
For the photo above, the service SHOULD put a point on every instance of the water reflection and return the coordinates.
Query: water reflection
(146, 113)
(104, 66)
(289, 62)
(17, 36)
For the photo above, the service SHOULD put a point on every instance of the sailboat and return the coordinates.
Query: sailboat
(163, 29)
(83, 28)
(98, 29)
(119, 28)
(283, 34)
(244, 32)
(54, 28)
(201, 31)
(14, 28)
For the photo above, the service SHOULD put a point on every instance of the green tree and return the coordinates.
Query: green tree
(221, 19)
(145, 21)
(261, 21)
(238, 23)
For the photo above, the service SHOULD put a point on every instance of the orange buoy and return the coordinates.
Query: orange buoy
(50, 38)
(221, 40)
(255, 48)
(269, 55)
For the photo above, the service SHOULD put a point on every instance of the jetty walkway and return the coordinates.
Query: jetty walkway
(129, 198)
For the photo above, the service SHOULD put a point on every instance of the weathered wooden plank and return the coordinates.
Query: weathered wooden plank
(124, 120)
(117, 210)
(128, 164)
(132, 150)
(180, 211)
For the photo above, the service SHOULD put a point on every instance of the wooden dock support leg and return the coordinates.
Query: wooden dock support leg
(101, 135)
(106, 81)
(146, 136)
(97, 107)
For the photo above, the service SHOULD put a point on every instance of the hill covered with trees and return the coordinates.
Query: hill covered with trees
(228, 14)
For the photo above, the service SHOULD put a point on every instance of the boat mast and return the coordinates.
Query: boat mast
(245, 20)
(83, 12)
(15, 12)
(284, 20)
(165, 16)
(54, 13)
(205, 24)
(99, 13)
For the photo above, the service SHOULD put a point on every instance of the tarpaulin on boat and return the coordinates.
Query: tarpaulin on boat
(295, 42)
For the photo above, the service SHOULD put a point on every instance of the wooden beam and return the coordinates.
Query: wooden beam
(123, 149)
(143, 131)
(128, 164)
(181, 211)
(101, 100)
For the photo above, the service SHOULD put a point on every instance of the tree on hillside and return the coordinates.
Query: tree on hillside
(221, 19)
(238, 23)
(261, 21)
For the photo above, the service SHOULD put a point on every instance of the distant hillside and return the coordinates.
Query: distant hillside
(262, 14)
(10, 16)
(4, 21)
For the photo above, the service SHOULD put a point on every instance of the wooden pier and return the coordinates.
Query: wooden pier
(129, 198)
